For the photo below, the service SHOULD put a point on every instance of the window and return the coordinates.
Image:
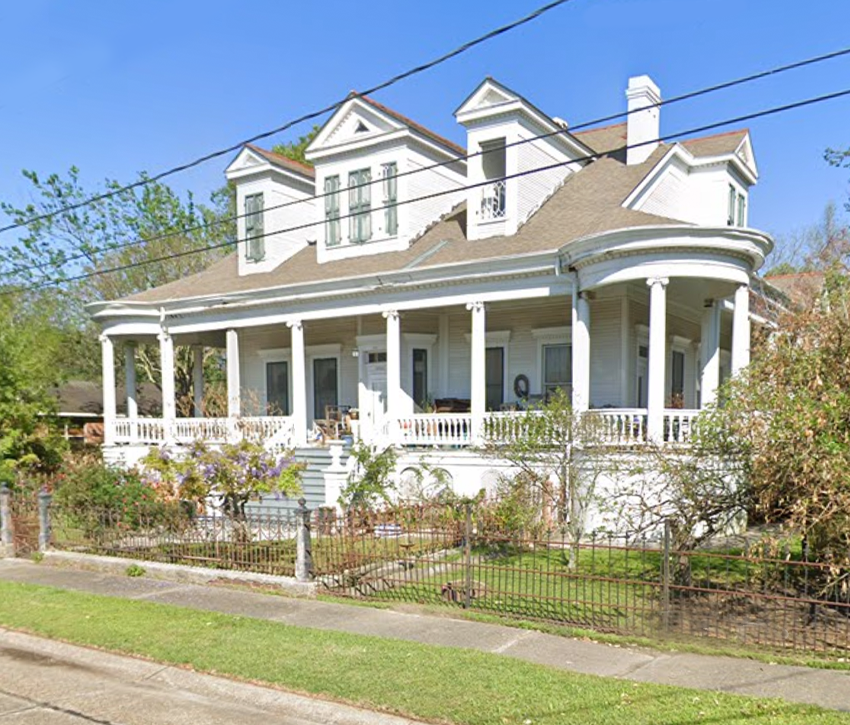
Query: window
(333, 237)
(742, 210)
(377, 357)
(390, 172)
(557, 368)
(360, 205)
(277, 388)
(677, 379)
(730, 212)
(495, 377)
(255, 242)
(420, 377)
(324, 385)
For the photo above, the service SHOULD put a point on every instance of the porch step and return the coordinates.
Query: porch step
(312, 482)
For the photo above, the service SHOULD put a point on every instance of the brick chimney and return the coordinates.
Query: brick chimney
(643, 122)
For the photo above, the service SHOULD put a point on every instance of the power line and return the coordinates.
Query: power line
(306, 117)
(667, 137)
(675, 99)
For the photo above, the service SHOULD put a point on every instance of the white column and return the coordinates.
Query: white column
(478, 367)
(657, 358)
(710, 353)
(741, 329)
(234, 397)
(393, 364)
(108, 352)
(299, 383)
(580, 350)
(166, 361)
(198, 380)
(130, 379)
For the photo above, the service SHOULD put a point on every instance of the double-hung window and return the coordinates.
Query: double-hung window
(557, 369)
(730, 212)
(390, 173)
(737, 212)
(254, 239)
(742, 210)
(360, 205)
(332, 211)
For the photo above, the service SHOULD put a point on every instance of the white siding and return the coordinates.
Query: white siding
(534, 189)
(605, 354)
(670, 196)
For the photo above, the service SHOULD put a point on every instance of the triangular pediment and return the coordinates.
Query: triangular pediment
(353, 122)
(488, 94)
(246, 159)
(745, 153)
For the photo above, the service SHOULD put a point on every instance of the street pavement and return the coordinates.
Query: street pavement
(827, 688)
(43, 682)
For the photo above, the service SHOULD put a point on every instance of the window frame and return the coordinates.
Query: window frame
(287, 409)
(389, 175)
(333, 228)
(545, 383)
(422, 398)
(255, 248)
(360, 205)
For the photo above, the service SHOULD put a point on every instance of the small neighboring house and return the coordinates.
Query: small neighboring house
(80, 408)
(398, 292)
(801, 288)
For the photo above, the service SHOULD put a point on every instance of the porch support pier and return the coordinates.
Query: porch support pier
(581, 350)
(299, 383)
(478, 357)
(657, 358)
(393, 364)
(741, 329)
(710, 353)
(234, 399)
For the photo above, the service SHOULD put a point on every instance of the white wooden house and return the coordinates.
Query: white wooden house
(431, 292)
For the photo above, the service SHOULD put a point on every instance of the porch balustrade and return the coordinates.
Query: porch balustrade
(432, 429)
(274, 431)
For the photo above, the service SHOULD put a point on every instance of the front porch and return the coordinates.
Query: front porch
(450, 376)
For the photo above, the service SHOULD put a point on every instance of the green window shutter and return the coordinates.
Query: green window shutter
(255, 241)
(391, 198)
(360, 205)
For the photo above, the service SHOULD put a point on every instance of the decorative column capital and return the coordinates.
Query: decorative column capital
(104, 339)
(390, 314)
(163, 336)
(652, 281)
(475, 306)
(295, 324)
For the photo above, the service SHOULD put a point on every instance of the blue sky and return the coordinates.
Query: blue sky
(116, 88)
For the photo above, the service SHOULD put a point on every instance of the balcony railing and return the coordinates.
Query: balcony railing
(273, 431)
(493, 201)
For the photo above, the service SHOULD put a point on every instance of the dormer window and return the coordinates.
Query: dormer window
(737, 208)
(360, 206)
(493, 164)
(334, 235)
(390, 173)
(254, 240)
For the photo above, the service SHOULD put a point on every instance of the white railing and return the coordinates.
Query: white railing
(678, 425)
(621, 426)
(493, 201)
(505, 426)
(273, 431)
(432, 429)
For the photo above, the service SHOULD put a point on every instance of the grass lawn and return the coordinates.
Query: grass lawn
(433, 683)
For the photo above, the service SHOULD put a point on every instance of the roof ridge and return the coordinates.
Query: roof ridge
(717, 135)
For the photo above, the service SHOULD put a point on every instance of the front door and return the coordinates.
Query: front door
(325, 390)
(375, 403)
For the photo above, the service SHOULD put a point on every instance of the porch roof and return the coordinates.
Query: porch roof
(588, 203)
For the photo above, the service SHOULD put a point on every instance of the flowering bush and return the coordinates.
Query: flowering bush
(234, 474)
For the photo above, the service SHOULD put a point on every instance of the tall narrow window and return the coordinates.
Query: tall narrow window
(254, 240)
(730, 213)
(277, 388)
(557, 369)
(332, 211)
(742, 210)
(677, 384)
(324, 385)
(495, 377)
(420, 377)
(390, 172)
(360, 205)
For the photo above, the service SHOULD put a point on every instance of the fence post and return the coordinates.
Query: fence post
(665, 579)
(44, 499)
(467, 556)
(303, 543)
(7, 535)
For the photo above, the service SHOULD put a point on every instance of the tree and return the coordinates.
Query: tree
(811, 249)
(553, 467)
(127, 231)
(295, 149)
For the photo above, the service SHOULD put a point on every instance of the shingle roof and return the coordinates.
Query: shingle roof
(717, 145)
(283, 161)
(588, 203)
(801, 287)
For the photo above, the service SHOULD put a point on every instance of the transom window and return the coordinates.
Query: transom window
(557, 368)
(332, 211)
(255, 242)
(360, 205)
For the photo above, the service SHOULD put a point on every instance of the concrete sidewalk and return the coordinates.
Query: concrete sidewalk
(826, 688)
(59, 684)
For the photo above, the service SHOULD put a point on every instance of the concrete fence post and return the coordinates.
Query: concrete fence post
(7, 534)
(44, 500)
(303, 543)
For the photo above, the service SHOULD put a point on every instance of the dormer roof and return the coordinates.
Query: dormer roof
(361, 119)
(254, 158)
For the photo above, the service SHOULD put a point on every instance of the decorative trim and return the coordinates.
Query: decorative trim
(496, 337)
(546, 333)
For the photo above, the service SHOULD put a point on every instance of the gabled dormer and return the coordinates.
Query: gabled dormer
(274, 201)
(369, 199)
(500, 124)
